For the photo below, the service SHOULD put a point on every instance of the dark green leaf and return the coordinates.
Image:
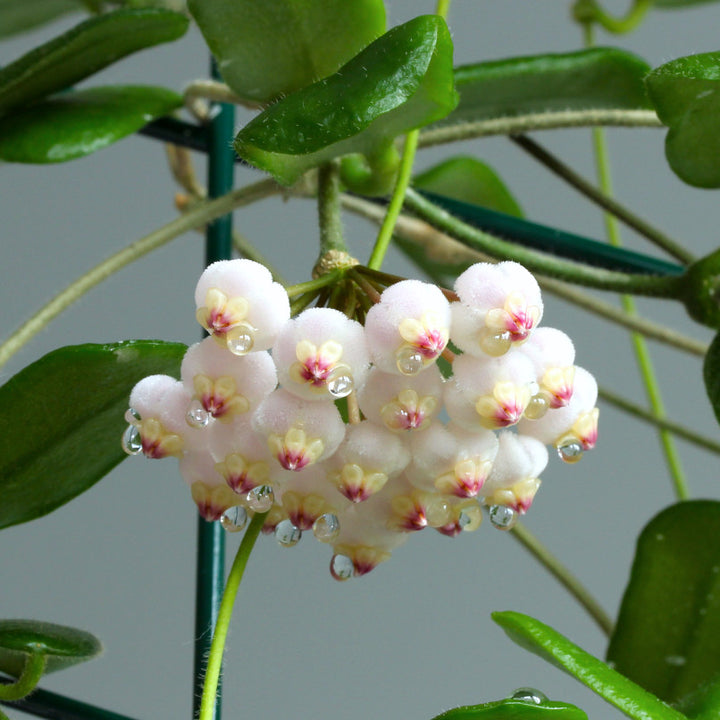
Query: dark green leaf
(402, 81)
(268, 49)
(582, 80)
(513, 709)
(711, 374)
(17, 16)
(666, 638)
(77, 123)
(82, 51)
(686, 95)
(63, 646)
(62, 421)
(471, 181)
(556, 649)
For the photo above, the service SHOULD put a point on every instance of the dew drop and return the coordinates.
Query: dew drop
(502, 517)
(570, 452)
(261, 498)
(531, 695)
(409, 360)
(234, 518)
(287, 534)
(197, 416)
(464, 519)
(326, 528)
(132, 416)
(341, 567)
(131, 440)
(537, 407)
(340, 384)
(240, 341)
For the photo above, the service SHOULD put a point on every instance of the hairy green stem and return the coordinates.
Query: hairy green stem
(217, 649)
(32, 671)
(315, 284)
(328, 195)
(396, 202)
(675, 428)
(603, 199)
(442, 248)
(518, 124)
(564, 576)
(200, 214)
(668, 287)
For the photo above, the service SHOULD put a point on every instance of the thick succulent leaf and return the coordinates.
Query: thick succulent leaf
(686, 95)
(711, 375)
(469, 180)
(83, 50)
(666, 637)
(18, 16)
(556, 649)
(63, 646)
(268, 49)
(513, 709)
(582, 80)
(76, 123)
(62, 421)
(400, 82)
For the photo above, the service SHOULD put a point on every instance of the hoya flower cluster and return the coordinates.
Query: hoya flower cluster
(256, 425)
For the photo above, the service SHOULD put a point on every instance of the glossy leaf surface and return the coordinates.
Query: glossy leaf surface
(686, 95)
(62, 421)
(84, 50)
(268, 49)
(666, 638)
(401, 81)
(711, 375)
(18, 16)
(582, 80)
(556, 649)
(513, 709)
(77, 123)
(469, 180)
(63, 646)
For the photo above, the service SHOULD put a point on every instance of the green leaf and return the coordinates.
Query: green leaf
(402, 81)
(711, 375)
(77, 123)
(63, 646)
(686, 95)
(18, 16)
(268, 49)
(513, 709)
(556, 649)
(469, 180)
(83, 50)
(582, 80)
(62, 421)
(666, 638)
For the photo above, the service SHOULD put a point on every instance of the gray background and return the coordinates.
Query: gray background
(414, 637)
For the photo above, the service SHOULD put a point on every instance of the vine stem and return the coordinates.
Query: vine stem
(32, 671)
(328, 196)
(668, 287)
(551, 563)
(589, 11)
(200, 214)
(217, 649)
(519, 124)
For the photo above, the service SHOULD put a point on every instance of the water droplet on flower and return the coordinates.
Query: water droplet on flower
(341, 567)
(131, 440)
(529, 694)
(197, 416)
(234, 518)
(409, 360)
(287, 534)
(240, 341)
(340, 384)
(537, 407)
(464, 519)
(570, 452)
(261, 498)
(327, 527)
(502, 517)
(132, 416)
